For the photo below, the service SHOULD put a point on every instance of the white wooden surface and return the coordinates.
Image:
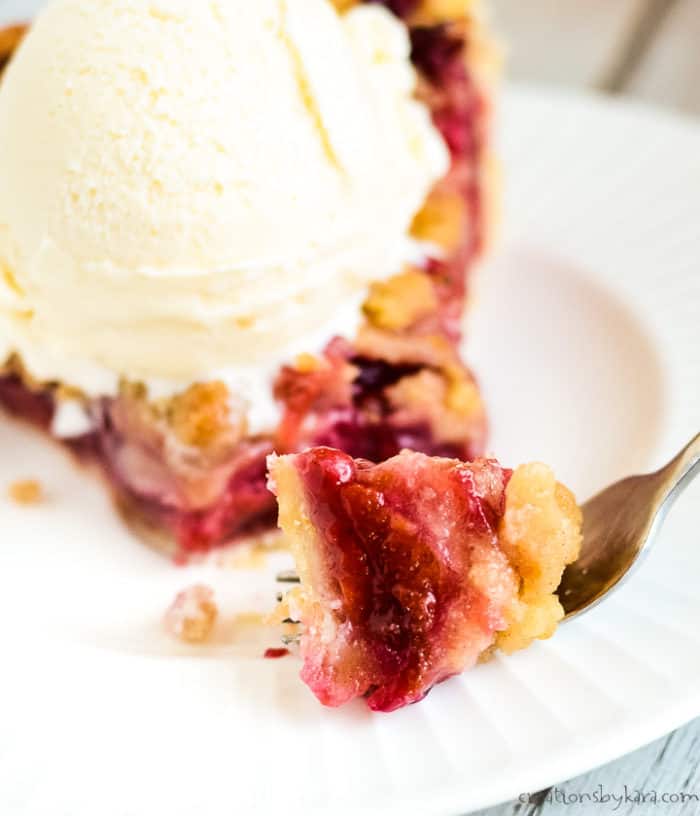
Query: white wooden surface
(584, 43)
(669, 767)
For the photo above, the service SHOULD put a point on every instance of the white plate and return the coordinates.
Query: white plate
(586, 338)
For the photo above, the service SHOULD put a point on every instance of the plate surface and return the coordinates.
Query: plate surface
(586, 336)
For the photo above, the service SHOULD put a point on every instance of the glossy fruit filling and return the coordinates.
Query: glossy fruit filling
(413, 569)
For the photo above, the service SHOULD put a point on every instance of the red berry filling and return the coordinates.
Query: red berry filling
(401, 8)
(408, 581)
(34, 406)
(275, 654)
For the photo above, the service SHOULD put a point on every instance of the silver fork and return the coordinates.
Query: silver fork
(620, 525)
(293, 637)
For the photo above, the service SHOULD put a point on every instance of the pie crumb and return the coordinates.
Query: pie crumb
(26, 492)
(192, 615)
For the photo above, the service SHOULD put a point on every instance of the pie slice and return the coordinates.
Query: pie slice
(414, 569)
(189, 470)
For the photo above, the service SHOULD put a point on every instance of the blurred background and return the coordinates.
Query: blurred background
(647, 48)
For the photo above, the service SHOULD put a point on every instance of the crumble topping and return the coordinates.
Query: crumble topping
(308, 363)
(540, 533)
(442, 219)
(201, 414)
(419, 12)
(10, 38)
(435, 12)
(401, 301)
(192, 615)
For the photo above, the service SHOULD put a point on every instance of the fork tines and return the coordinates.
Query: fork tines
(288, 577)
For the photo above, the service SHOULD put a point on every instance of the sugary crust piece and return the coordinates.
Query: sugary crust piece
(540, 533)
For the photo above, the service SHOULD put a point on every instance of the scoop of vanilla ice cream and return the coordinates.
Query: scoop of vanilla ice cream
(194, 188)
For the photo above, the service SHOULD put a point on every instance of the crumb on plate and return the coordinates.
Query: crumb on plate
(26, 491)
(192, 615)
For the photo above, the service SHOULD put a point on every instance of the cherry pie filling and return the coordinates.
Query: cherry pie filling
(400, 384)
(414, 568)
